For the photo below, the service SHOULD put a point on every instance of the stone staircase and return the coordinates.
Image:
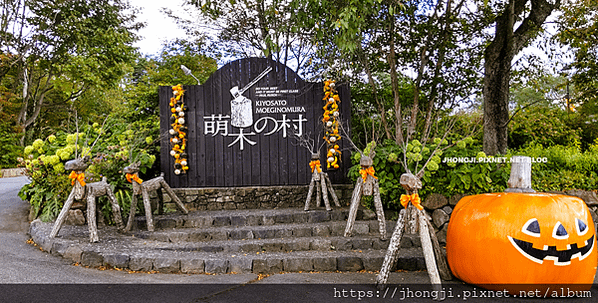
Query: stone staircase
(260, 241)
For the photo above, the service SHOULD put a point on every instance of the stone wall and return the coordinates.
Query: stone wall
(250, 197)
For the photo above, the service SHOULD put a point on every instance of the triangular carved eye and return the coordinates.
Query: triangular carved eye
(559, 231)
(532, 228)
(582, 228)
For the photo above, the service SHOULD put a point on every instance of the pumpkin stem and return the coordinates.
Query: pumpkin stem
(520, 180)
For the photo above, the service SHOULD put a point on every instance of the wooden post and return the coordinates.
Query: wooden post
(355, 200)
(520, 180)
(393, 250)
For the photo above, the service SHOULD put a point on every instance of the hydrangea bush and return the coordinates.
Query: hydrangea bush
(116, 147)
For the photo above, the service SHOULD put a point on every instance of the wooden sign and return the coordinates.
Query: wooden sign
(241, 127)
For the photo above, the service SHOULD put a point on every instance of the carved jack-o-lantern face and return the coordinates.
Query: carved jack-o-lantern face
(560, 256)
(512, 238)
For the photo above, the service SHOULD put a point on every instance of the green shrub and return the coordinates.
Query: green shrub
(117, 147)
(542, 125)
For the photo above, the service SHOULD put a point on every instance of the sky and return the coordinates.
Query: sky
(159, 27)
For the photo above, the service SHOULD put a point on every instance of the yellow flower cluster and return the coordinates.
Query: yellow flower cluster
(330, 120)
(178, 132)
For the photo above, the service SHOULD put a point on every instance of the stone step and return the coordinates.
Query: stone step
(291, 230)
(241, 241)
(283, 245)
(249, 217)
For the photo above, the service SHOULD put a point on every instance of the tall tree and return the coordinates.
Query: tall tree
(433, 42)
(508, 41)
(63, 48)
(250, 28)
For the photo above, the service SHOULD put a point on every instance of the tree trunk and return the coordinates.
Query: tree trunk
(498, 57)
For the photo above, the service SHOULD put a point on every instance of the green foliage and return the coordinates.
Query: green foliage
(544, 126)
(50, 185)
(566, 167)
(9, 149)
(445, 177)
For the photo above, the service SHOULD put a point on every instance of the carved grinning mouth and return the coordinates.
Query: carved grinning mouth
(560, 257)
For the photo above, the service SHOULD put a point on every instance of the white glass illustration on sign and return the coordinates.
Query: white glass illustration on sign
(240, 106)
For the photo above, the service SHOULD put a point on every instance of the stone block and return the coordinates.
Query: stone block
(283, 233)
(192, 266)
(219, 235)
(75, 217)
(177, 237)
(439, 217)
(165, 223)
(58, 248)
(73, 253)
(268, 220)
(371, 263)
(222, 221)
(320, 244)
(324, 263)
(338, 215)
(441, 235)
(448, 209)
(116, 260)
(283, 218)
(240, 265)
(300, 218)
(264, 233)
(302, 244)
(342, 244)
(362, 244)
(318, 216)
(216, 266)
(238, 220)
(91, 259)
(253, 220)
(298, 264)
(361, 228)
(229, 205)
(321, 231)
(267, 266)
(302, 231)
(349, 263)
(167, 265)
(141, 263)
(407, 263)
(435, 201)
(273, 247)
(240, 234)
(199, 236)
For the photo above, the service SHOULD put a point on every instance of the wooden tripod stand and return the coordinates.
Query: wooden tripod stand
(321, 182)
(412, 218)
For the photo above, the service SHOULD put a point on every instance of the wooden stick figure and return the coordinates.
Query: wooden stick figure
(88, 192)
(322, 183)
(367, 185)
(412, 218)
(143, 188)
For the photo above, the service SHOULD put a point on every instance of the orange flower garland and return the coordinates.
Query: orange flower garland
(178, 132)
(330, 120)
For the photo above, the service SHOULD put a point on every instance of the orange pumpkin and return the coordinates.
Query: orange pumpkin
(521, 240)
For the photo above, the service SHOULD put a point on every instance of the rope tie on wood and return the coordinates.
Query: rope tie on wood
(78, 177)
(415, 200)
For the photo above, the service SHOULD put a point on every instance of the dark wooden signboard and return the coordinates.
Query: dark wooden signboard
(242, 121)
